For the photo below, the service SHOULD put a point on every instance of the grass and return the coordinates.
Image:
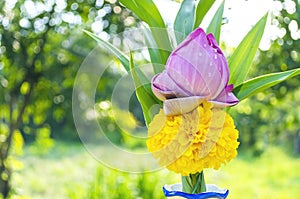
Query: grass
(273, 175)
(68, 171)
(66, 167)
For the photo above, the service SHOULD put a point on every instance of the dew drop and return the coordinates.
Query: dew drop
(215, 57)
(210, 63)
(200, 54)
(204, 45)
(209, 74)
(215, 50)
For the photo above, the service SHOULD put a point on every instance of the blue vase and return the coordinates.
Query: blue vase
(212, 191)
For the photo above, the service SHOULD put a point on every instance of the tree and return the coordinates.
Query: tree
(42, 46)
(27, 60)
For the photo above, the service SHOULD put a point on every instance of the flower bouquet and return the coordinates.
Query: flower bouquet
(195, 86)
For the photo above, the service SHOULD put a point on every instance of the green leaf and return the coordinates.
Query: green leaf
(261, 83)
(216, 22)
(241, 60)
(147, 11)
(201, 10)
(163, 43)
(153, 49)
(131, 5)
(143, 91)
(184, 21)
(142, 84)
(120, 55)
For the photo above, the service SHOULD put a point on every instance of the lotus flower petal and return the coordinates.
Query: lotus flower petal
(226, 98)
(176, 106)
(197, 67)
(164, 87)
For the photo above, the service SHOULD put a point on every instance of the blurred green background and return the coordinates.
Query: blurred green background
(41, 156)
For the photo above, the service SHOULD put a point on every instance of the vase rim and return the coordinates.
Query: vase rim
(213, 191)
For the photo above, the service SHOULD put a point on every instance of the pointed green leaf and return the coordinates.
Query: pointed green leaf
(184, 21)
(163, 43)
(143, 86)
(143, 91)
(261, 83)
(154, 52)
(216, 22)
(147, 11)
(120, 55)
(241, 60)
(201, 10)
(131, 5)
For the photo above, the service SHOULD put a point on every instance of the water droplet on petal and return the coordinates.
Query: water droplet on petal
(210, 63)
(200, 54)
(215, 50)
(204, 45)
(215, 57)
(209, 74)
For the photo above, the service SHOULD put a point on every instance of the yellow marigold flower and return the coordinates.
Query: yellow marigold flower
(203, 138)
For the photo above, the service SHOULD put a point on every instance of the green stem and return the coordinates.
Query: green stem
(199, 177)
(194, 183)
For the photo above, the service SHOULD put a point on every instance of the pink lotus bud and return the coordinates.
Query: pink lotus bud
(196, 71)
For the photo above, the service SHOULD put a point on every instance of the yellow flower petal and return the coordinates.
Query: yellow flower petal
(203, 138)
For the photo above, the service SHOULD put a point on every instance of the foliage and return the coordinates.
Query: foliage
(30, 85)
(239, 62)
(262, 82)
(241, 59)
(185, 20)
(129, 186)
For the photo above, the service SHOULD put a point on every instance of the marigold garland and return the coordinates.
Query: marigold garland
(203, 138)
